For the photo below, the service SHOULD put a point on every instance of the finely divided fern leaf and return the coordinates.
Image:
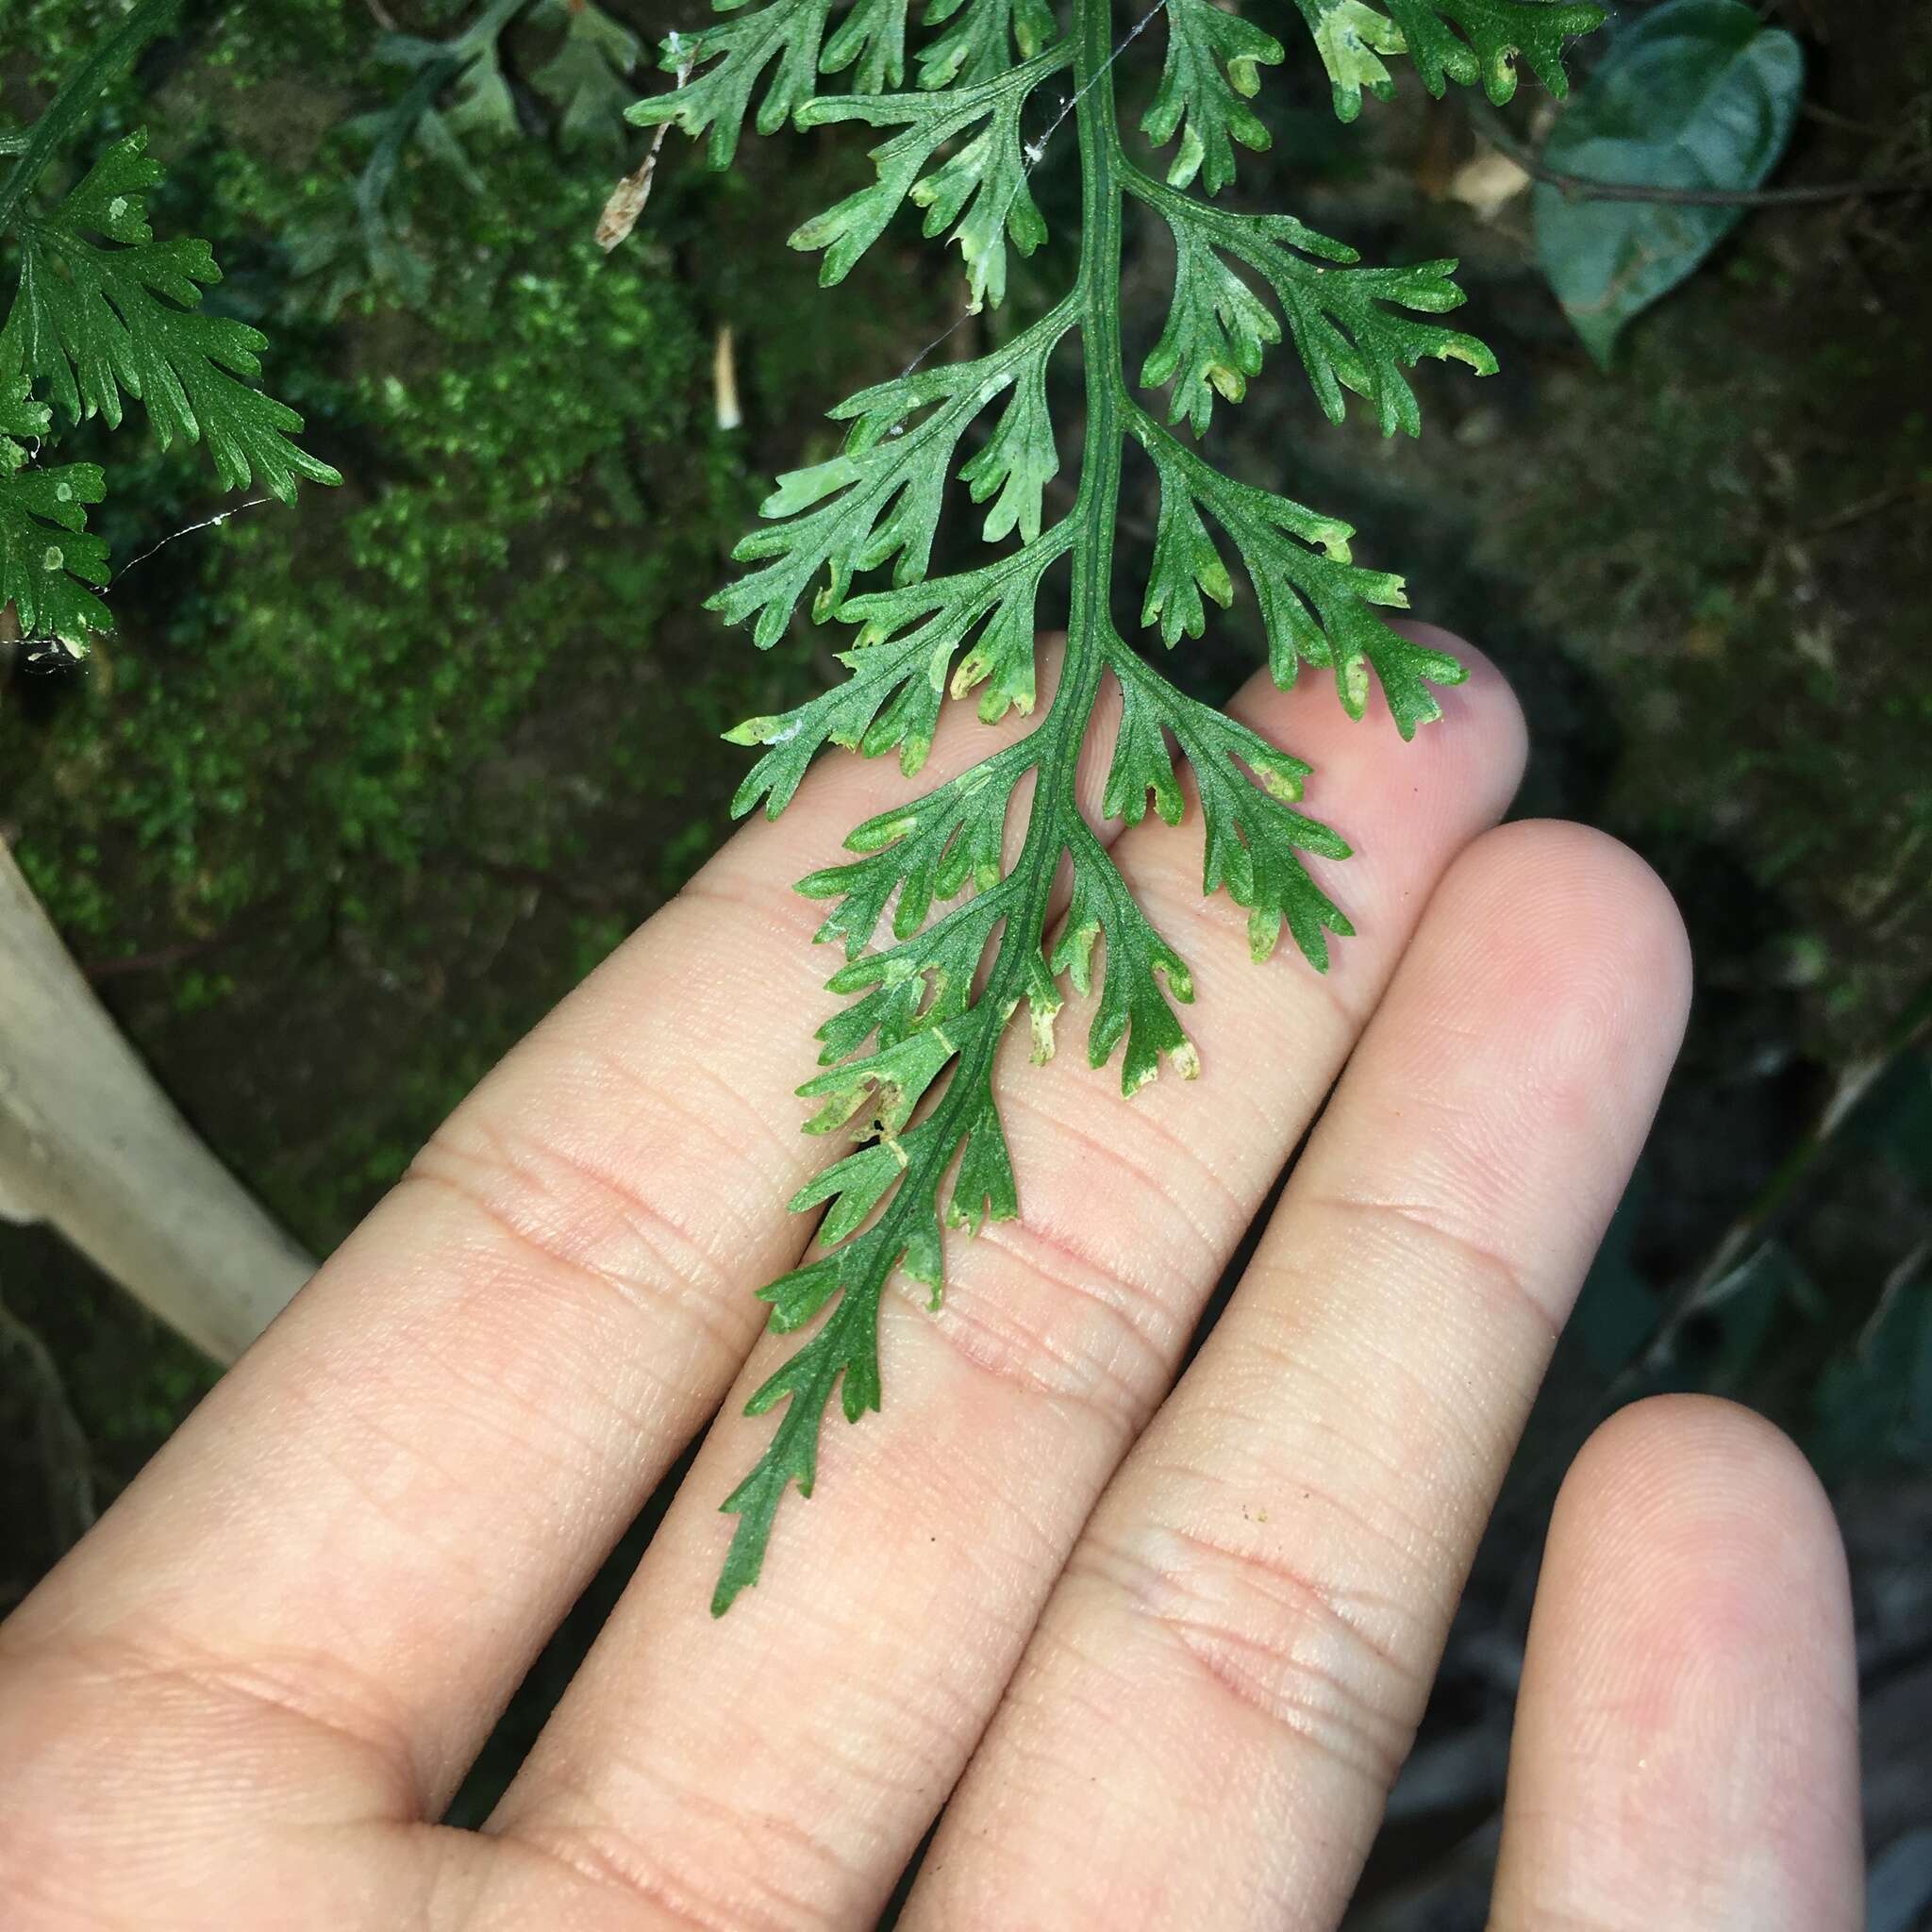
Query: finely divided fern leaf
(1463, 41)
(47, 560)
(1214, 61)
(944, 911)
(104, 311)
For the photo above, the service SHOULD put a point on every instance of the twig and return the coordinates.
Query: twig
(159, 961)
(1587, 187)
(1869, 506)
(66, 1460)
(724, 381)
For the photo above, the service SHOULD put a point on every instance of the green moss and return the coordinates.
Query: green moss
(357, 790)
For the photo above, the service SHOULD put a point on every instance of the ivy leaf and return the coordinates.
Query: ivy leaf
(47, 560)
(1214, 59)
(1463, 41)
(1699, 95)
(90, 322)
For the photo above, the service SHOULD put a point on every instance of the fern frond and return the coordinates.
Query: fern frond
(981, 184)
(1214, 59)
(1345, 320)
(944, 908)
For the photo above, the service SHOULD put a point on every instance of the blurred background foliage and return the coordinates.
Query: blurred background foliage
(356, 791)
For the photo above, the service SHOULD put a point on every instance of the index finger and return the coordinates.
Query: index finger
(376, 1518)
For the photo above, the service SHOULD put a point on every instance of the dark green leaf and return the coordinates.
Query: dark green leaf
(1699, 95)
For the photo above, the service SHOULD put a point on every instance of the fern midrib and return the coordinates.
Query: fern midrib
(1054, 745)
(1063, 731)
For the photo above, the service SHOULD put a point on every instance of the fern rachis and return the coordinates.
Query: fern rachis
(910, 1060)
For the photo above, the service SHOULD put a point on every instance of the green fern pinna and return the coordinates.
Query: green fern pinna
(927, 1012)
(103, 312)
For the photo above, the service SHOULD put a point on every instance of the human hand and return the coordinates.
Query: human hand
(1160, 1648)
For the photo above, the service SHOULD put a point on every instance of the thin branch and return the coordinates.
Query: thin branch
(1588, 187)
(66, 1459)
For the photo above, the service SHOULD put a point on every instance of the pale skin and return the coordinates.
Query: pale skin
(1159, 1647)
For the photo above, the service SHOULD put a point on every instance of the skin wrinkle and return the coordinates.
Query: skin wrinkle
(1305, 1364)
(538, 1172)
(624, 1420)
(574, 1814)
(1290, 1588)
(360, 1718)
(1058, 1840)
(783, 915)
(1485, 1432)
(706, 1306)
(1427, 1221)
(481, 1569)
(1005, 1497)
(1164, 1190)
(584, 1855)
(1424, 1541)
(780, 1142)
(1378, 1692)
(989, 1336)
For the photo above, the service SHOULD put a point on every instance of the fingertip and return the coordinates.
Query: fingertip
(1687, 1743)
(1562, 912)
(1706, 1463)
